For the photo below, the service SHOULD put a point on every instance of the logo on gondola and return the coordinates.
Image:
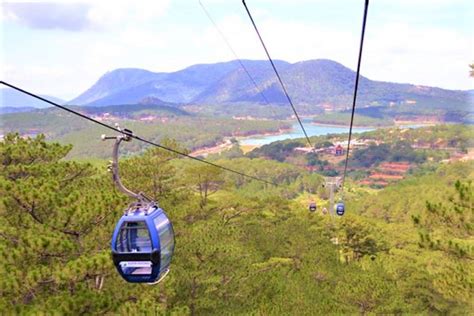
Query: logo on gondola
(135, 264)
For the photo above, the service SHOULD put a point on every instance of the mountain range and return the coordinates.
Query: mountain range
(313, 82)
(317, 84)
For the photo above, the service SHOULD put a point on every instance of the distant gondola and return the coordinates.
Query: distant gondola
(340, 208)
(312, 207)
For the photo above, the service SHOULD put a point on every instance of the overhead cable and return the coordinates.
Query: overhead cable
(366, 7)
(277, 74)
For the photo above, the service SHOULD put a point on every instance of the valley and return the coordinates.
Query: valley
(152, 122)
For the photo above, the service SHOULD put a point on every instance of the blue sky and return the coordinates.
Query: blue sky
(61, 48)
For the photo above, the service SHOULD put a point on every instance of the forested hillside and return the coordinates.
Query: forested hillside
(242, 247)
(155, 122)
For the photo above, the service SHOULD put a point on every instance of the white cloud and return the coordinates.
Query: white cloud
(117, 13)
(47, 15)
(428, 55)
(38, 79)
(399, 52)
(290, 41)
(80, 15)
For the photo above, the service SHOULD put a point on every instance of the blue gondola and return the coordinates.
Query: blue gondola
(143, 239)
(312, 207)
(143, 245)
(340, 208)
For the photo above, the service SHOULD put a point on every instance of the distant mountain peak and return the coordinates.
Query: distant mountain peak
(124, 73)
(150, 101)
(115, 81)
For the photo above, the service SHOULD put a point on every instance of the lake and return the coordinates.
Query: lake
(295, 132)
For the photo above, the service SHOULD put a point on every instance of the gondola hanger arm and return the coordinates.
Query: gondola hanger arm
(126, 135)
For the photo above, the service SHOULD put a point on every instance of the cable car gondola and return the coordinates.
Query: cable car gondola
(312, 207)
(340, 208)
(143, 240)
(143, 244)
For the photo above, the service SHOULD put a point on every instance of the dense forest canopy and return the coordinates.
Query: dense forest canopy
(242, 247)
